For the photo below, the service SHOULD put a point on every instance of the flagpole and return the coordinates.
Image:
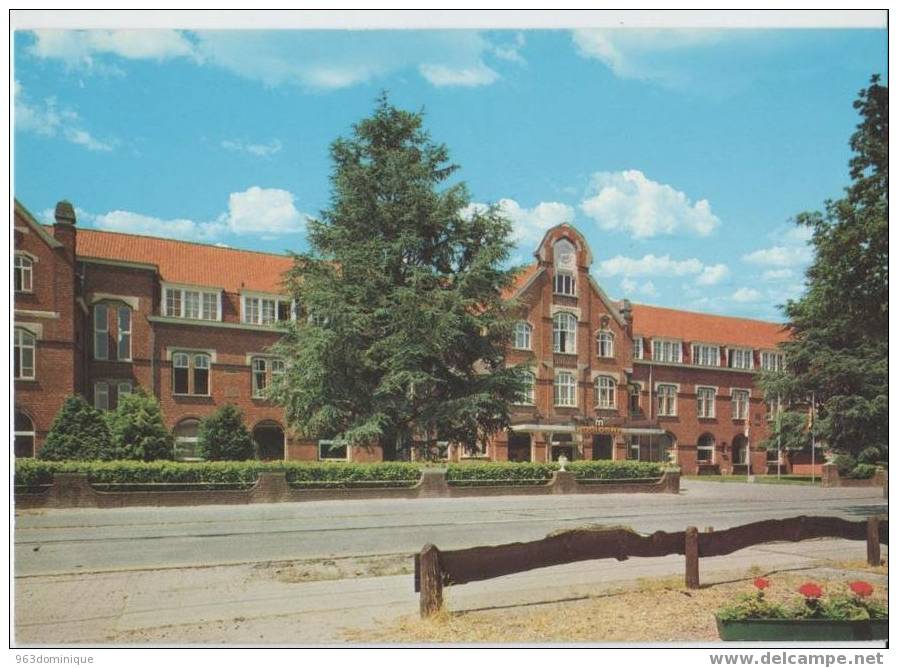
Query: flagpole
(813, 446)
(779, 437)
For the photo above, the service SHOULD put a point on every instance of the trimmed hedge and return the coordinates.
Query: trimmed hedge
(616, 470)
(862, 472)
(532, 473)
(336, 474)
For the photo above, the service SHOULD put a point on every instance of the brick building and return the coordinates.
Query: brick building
(101, 313)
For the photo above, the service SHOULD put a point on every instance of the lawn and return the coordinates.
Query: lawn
(760, 479)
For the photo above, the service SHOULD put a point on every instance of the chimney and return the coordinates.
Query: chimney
(626, 311)
(64, 228)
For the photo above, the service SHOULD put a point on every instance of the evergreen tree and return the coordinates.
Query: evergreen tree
(223, 436)
(137, 428)
(404, 329)
(79, 431)
(838, 353)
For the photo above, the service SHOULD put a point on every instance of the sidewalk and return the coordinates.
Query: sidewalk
(253, 604)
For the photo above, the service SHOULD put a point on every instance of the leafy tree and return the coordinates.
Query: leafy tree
(79, 431)
(838, 352)
(137, 429)
(789, 432)
(223, 436)
(404, 343)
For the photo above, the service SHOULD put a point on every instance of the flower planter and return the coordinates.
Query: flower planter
(803, 629)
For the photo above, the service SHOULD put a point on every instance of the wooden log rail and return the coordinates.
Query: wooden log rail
(435, 569)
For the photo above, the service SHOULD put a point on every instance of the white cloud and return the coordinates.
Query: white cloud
(780, 256)
(267, 212)
(642, 54)
(776, 274)
(442, 75)
(648, 265)
(511, 51)
(260, 150)
(49, 120)
(631, 287)
(629, 201)
(529, 225)
(80, 47)
(713, 274)
(264, 211)
(743, 295)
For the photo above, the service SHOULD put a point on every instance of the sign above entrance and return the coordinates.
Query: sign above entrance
(598, 427)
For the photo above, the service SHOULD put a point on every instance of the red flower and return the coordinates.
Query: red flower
(861, 588)
(810, 590)
(762, 583)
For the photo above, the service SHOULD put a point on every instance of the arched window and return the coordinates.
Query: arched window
(190, 373)
(605, 343)
(564, 333)
(565, 389)
(605, 392)
(522, 335)
(186, 439)
(265, 371)
(565, 258)
(527, 396)
(706, 448)
(24, 436)
(23, 355)
(23, 274)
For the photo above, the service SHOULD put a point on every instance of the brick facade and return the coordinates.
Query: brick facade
(75, 271)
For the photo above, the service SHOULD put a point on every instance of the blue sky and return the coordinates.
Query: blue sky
(681, 154)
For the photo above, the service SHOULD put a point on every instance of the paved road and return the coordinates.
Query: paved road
(312, 572)
(83, 540)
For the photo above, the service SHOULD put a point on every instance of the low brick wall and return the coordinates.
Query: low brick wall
(831, 478)
(73, 490)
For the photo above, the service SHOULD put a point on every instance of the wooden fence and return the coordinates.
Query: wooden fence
(435, 569)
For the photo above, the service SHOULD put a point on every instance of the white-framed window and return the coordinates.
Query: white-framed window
(772, 361)
(23, 435)
(565, 389)
(124, 333)
(740, 404)
(264, 371)
(523, 333)
(705, 355)
(266, 310)
(667, 350)
(191, 303)
(564, 332)
(23, 274)
(741, 358)
(605, 343)
(774, 406)
(101, 396)
(101, 332)
(191, 374)
(633, 448)
(565, 284)
(278, 369)
(122, 389)
(637, 348)
(705, 400)
(667, 400)
(705, 449)
(605, 387)
(23, 354)
(186, 434)
(335, 450)
(528, 394)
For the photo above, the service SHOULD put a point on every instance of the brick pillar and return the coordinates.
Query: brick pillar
(499, 447)
(830, 476)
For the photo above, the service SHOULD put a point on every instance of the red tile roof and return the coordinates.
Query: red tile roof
(520, 280)
(649, 321)
(190, 263)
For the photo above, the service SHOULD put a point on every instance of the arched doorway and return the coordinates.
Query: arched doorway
(269, 439)
(602, 446)
(740, 450)
(23, 442)
(519, 447)
(186, 440)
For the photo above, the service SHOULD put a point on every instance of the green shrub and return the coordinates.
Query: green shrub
(870, 455)
(503, 473)
(337, 474)
(223, 436)
(79, 431)
(614, 470)
(845, 464)
(137, 429)
(863, 472)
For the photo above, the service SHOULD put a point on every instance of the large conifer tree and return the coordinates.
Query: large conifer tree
(402, 327)
(839, 347)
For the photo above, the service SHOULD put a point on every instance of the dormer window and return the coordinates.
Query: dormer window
(191, 303)
(665, 350)
(266, 309)
(771, 361)
(565, 284)
(741, 358)
(705, 355)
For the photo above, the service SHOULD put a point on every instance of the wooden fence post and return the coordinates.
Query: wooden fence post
(692, 558)
(431, 581)
(873, 556)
